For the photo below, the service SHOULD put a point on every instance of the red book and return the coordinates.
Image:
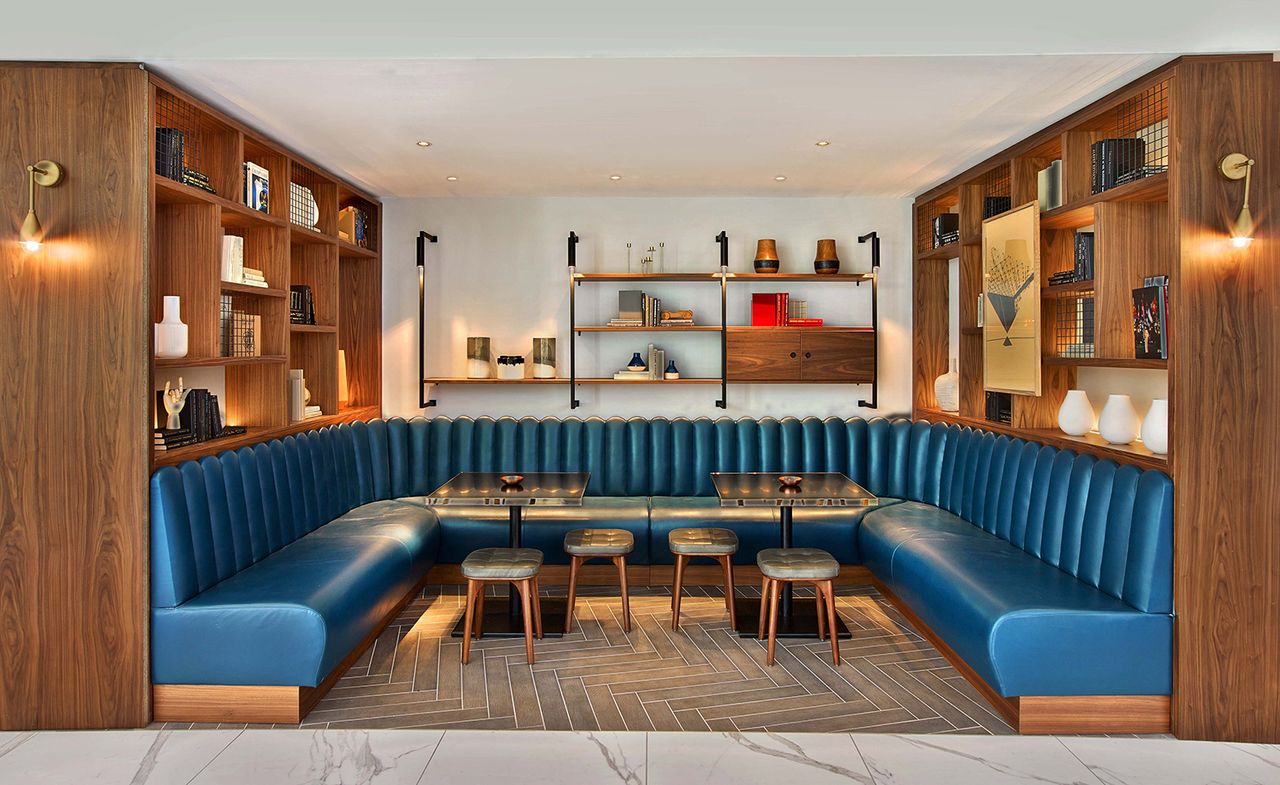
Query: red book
(804, 322)
(764, 310)
(782, 309)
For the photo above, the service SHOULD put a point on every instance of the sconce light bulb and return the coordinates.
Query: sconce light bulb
(1241, 242)
(1242, 231)
(30, 232)
(31, 245)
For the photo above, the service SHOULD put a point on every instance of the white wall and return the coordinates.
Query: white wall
(500, 270)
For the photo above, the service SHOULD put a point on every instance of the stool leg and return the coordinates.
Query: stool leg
(573, 593)
(727, 561)
(537, 606)
(528, 619)
(479, 619)
(773, 620)
(831, 621)
(676, 590)
(822, 612)
(466, 624)
(764, 607)
(621, 561)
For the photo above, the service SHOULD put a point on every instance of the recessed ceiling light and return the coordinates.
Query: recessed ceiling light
(423, 143)
(822, 143)
(780, 177)
(615, 177)
(451, 179)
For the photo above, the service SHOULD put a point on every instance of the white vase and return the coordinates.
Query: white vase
(1075, 416)
(1119, 421)
(946, 388)
(171, 333)
(1155, 428)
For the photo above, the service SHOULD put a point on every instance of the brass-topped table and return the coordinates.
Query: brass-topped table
(763, 489)
(541, 489)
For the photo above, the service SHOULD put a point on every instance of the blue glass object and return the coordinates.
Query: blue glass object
(637, 363)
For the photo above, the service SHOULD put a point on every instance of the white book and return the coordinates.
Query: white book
(232, 258)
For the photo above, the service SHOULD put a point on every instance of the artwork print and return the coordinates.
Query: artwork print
(1011, 302)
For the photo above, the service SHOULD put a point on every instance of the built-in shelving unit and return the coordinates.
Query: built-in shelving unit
(293, 242)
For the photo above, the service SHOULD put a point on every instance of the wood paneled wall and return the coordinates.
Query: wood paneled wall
(75, 424)
(1226, 438)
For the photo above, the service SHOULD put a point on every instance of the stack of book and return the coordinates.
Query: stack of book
(166, 439)
(311, 410)
(1119, 161)
(1063, 277)
(769, 309)
(197, 180)
(637, 309)
(252, 276)
(200, 416)
(170, 147)
(1084, 256)
(232, 258)
(353, 226)
(302, 306)
(676, 319)
(946, 229)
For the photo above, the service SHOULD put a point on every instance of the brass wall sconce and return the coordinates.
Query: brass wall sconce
(1237, 166)
(42, 173)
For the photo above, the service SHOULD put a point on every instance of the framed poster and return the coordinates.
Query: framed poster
(1011, 302)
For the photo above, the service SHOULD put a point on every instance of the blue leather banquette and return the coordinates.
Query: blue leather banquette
(1048, 572)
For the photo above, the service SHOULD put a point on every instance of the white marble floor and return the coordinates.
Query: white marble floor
(407, 757)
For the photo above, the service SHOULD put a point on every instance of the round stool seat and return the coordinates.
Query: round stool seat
(502, 564)
(703, 542)
(797, 564)
(599, 542)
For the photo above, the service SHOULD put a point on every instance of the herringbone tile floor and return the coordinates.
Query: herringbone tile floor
(701, 678)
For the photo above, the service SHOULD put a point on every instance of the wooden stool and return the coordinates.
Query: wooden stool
(718, 544)
(583, 545)
(799, 565)
(517, 566)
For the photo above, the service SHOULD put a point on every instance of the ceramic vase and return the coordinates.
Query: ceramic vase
(479, 358)
(543, 355)
(1075, 416)
(297, 395)
(766, 256)
(510, 367)
(825, 261)
(946, 388)
(1118, 423)
(171, 333)
(637, 363)
(672, 372)
(1155, 427)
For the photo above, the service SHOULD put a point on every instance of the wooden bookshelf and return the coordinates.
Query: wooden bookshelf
(292, 244)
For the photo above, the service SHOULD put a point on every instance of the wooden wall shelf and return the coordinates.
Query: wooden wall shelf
(200, 362)
(1080, 212)
(942, 252)
(681, 380)
(685, 328)
(464, 380)
(685, 277)
(254, 435)
(312, 328)
(1108, 362)
(799, 277)
(251, 291)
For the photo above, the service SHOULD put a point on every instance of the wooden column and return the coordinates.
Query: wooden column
(74, 392)
(1226, 394)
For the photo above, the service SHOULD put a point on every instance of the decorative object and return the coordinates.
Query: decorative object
(671, 373)
(1238, 166)
(1075, 416)
(510, 480)
(629, 258)
(1010, 272)
(637, 363)
(171, 333)
(45, 174)
(510, 366)
(543, 355)
(1155, 427)
(825, 262)
(662, 257)
(479, 358)
(174, 400)
(257, 186)
(344, 389)
(1118, 423)
(1049, 185)
(646, 264)
(946, 388)
(1150, 320)
(790, 480)
(946, 229)
(305, 211)
(766, 260)
(297, 395)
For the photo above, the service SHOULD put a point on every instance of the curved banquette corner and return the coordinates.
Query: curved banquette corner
(1044, 575)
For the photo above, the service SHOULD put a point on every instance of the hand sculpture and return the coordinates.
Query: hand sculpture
(174, 400)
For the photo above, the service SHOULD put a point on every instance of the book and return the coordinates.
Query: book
(302, 307)
(256, 186)
(804, 322)
(994, 205)
(1049, 185)
(1113, 159)
(170, 144)
(631, 306)
(1084, 256)
(1150, 323)
(946, 229)
(763, 313)
(233, 258)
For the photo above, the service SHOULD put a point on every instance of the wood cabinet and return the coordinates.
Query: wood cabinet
(791, 354)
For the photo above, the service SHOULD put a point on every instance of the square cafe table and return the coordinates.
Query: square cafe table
(762, 489)
(542, 489)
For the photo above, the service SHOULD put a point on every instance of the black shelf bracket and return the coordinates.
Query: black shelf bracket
(874, 239)
(573, 321)
(723, 240)
(423, 239)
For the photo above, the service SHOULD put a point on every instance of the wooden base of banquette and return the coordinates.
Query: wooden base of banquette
(1052, 714)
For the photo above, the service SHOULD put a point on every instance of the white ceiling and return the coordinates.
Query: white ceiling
(689, 97)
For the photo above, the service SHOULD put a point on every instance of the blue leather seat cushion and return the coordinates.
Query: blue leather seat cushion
(885, 528)
(465, 529)
(414, 527)
(1023, 625)
(287, 620)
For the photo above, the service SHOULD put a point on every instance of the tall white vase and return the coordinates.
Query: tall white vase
(1119, 421)
(946, 388)
(171, 333)
(1155, 428)
(1075, 416)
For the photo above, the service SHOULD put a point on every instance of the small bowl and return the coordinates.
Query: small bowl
(511, 479)
(790, 480)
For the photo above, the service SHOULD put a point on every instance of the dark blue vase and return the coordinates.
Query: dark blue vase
(637, 363)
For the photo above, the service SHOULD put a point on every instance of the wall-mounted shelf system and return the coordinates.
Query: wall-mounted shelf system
(294, 242)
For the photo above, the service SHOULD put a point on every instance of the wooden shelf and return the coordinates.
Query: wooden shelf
(312, 328)
(824, 328)
(593, 277)
(1067, 289)
(301, 235)
(233, 214)
(804, 277)
(252, 291)
(676, 329)
(1090, 444)
(463, 380)
(199, 362)
(1107, 362)
(1080, 213)
(350, 250)
(649, 381)
(253, 435)
(943, 252)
